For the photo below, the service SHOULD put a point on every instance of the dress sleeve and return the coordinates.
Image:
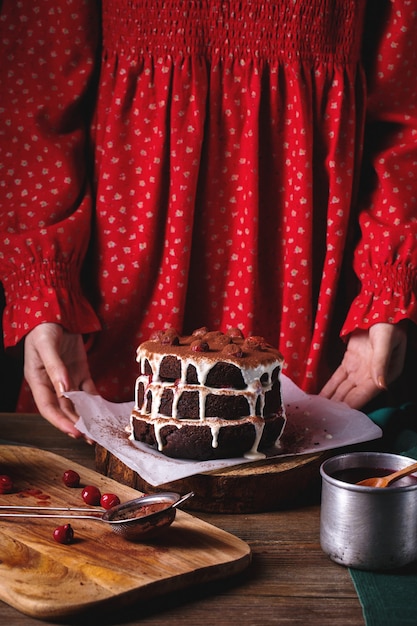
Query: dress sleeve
(48, 53)
(385, 258)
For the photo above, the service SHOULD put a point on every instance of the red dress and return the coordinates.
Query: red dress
(208, 162)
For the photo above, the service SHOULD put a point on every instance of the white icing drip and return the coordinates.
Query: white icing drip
(215, 429)
(130, 427)
(253, 453)
(255, 390)
(157, 426)
(214, 423)
(175, 398)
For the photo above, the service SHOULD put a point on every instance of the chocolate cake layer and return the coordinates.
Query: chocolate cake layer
(208, 395)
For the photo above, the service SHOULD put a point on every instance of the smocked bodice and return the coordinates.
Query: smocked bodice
(266, 29)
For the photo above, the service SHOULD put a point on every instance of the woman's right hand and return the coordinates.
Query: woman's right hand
(55, 361)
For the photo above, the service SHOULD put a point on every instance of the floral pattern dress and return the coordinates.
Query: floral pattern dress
(209, 163)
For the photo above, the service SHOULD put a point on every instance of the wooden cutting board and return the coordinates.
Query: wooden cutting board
(47, 580)
(250, 488)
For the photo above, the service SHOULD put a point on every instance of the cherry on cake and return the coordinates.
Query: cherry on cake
(208, 395)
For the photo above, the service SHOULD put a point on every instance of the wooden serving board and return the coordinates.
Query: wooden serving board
(251, 488)
(47, 580)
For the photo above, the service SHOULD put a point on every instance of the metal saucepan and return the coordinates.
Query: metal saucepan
(135, 520)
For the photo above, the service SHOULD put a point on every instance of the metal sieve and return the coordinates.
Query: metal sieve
(141, 518)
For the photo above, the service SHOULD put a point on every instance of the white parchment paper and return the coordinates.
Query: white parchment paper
(313, 424)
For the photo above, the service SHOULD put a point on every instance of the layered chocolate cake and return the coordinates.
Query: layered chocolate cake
(208, 395)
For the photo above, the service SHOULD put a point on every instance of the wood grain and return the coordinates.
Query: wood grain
(250, 488)
(290, 581)
(47, 580)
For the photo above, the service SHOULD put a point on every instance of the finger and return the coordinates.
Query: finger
(395, 351)
(343, 390)
(360, 395)
(388, 345)
(69, 410)
(49, 408)
(330, 388)
(380, 362)
(42, 346)
(67, 407)
(89, 387)
(54, 367)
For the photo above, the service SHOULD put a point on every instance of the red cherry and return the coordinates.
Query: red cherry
(91, 495)
(71, 478)
(6, 484)
(199, 346)
(64, 534)
(108, 500)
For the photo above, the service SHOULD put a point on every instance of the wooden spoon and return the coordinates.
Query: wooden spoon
(384, 481)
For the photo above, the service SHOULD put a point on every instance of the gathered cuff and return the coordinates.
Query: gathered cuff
(389, 296)
(45, 292)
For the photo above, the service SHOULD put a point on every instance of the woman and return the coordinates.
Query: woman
(217, 163)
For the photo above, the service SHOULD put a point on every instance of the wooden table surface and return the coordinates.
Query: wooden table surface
(290, 580)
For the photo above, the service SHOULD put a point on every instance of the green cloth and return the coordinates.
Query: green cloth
(390, 598)
(387, 599)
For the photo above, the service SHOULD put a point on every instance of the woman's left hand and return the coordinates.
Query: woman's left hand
(373, 359)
